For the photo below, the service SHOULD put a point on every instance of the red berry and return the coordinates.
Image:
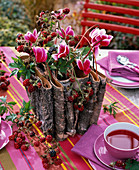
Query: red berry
(71, 43)
(17, 145)
(119, 163)
(42, 139)
(15, 133)
(23, 137)
(45, 41)
(24, 147)
(11, 137)
(21, 124)
(36, 143)
(26, 82)
(66, 10)
(91, 92)
(72, 79)
(19, 135)
(81, 108)
(53, 34)
(2, 78)
(70, 98)
(88, 83)
(75, 106)
(76, 38)
(49, 138)
(31, 88)
(3, 85)
(57, 150)
(19, 140)
(49, 38)
(58, 161)
(39, 123)
(20, 48)
(45, 160)
(39, 84)
(7, 82)
(46, 165)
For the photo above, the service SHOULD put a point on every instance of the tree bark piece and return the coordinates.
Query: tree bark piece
(68, 106)
(87, 113)
(59, 115)
(98, 103)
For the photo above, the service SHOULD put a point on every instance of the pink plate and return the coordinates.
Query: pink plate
(101, 152)
(122, 82)
(6, 131)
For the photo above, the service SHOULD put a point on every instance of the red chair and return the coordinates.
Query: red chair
(114, 14)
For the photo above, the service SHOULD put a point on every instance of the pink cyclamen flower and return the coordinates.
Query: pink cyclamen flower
(99, 37)
(63, 51)
(85, 66)
(32, 37)
(65, 34)
(40, 54)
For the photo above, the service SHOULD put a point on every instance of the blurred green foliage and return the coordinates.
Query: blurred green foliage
(13, 20)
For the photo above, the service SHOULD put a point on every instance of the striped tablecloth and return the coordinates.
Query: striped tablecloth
(11, 159)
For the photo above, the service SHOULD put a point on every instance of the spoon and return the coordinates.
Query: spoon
(125, 61)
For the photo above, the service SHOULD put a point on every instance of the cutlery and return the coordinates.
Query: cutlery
(125, 61)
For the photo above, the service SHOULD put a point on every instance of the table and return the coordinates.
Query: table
(11, 159)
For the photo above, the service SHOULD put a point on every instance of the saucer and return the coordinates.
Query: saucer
(6, 131)
(102, 153)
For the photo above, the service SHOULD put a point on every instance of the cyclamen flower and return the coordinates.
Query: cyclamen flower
(100, 36)
(32, 37)
(63, 51)
(67, 33)
(85, 67)
(40, 54)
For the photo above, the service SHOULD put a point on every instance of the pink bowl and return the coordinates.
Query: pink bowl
(117, 152)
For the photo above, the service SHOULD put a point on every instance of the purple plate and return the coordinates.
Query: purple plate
(101, 152)
(6, 131)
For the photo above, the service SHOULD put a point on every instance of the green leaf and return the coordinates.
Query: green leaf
(18, 75)
(1, 103)
(2, 98)
(12, 103)
(2, 71)
(13, 65)
(27, 105)
(13, 72)
(28, 74)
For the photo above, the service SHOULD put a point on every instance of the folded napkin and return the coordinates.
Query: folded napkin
(84, 147)
(114, 68)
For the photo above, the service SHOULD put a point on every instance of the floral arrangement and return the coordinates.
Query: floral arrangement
(68, 55)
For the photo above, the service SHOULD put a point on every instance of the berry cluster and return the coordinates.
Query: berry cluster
(81, 97)
(119, 164)
(46, 144)
(19, 140)
(4, 83)
(2, 57)
(32, 85)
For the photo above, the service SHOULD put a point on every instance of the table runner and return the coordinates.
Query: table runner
(11, 159)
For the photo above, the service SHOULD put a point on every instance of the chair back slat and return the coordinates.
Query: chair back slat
(111, 17)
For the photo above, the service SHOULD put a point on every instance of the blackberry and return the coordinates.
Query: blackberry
(52, 50)
(52, 153)
(32, 134)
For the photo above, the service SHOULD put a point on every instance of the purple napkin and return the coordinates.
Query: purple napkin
(84, 147)
(116, 69)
